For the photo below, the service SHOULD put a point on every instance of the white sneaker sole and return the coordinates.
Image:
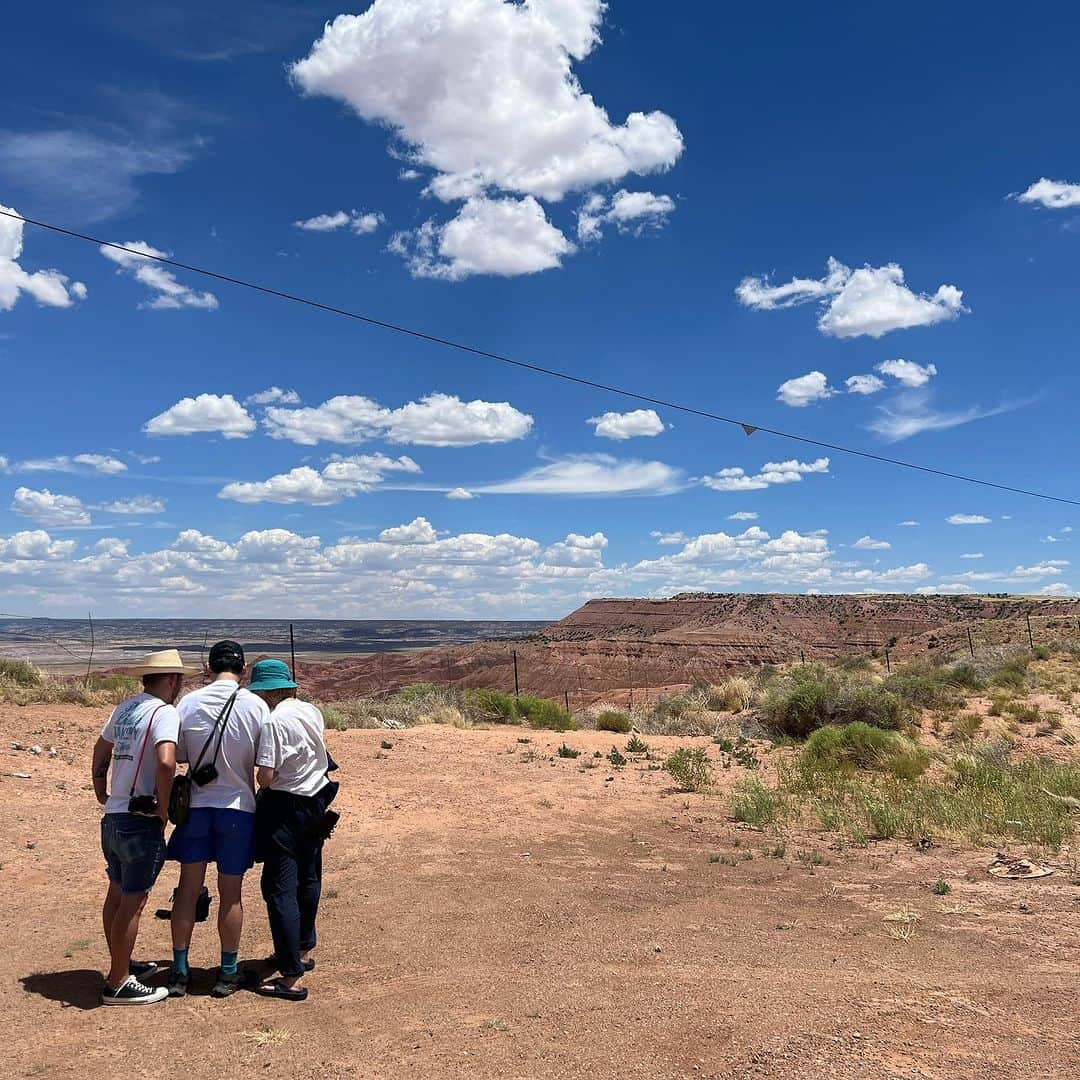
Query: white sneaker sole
(160, 994)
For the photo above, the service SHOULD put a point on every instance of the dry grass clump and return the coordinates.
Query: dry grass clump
(700, 710)
(23, 684)
(974, 796)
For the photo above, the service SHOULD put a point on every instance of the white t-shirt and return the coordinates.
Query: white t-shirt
(126, 730)
(293, 746)
(234, 788)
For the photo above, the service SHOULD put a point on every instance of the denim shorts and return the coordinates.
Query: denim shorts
(214, 834)
(134, 850)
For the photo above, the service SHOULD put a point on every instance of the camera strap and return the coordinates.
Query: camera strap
(223, 720)
(146, 739)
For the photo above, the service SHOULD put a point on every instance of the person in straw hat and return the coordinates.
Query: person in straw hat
(138, 747)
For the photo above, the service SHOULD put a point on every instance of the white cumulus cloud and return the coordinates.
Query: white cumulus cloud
(101, 464)
(868, 543)
(483, 94)
(627, 425)
(360, 222)
(220, 413)
(908, 372)
(869, 301)
(137, 258)
(864, 384)
(138, 504)
(502, 237)
(967, 519)
(804, 390)
(273, 395)
(743, 515)
(342, 478)
(460, 493)
(772, 473)
(49, 288)
(434, 420)
(1052, 194)
(635, 212)
(48, 509)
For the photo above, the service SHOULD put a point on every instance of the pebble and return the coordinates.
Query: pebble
(16, 746)
(35, 749)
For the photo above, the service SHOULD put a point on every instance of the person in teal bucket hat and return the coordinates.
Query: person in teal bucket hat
(292, 821)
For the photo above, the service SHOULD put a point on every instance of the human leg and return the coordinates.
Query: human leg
(279, 883)
(309, 891)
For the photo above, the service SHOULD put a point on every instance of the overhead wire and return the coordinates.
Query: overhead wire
(539, 369)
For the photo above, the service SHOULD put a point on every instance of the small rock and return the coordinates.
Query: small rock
(30, 845)
(35, 749)
(53, 752)
(656, 948)
(16, 746)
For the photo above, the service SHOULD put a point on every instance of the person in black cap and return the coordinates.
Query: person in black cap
(221, 725)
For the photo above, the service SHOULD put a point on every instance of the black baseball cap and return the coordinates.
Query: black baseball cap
(225, 655)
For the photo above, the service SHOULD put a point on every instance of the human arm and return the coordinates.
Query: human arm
(99, 768)
(163, 778)
(264, 776)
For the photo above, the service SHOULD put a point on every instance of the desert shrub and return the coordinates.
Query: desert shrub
(418, 692)
(636, 745)
(334, 718)
(19, 673)
(613, 720)
(978, 795)
(565, 751)
(690, 769)
(1023, 712)
(1042, 652)
(859, 746)
(806, 698)
(412, 705)
(925, 685)
(732, 695)
(616, 757)
(755, 803)
(966, 725)
(541, 713)
(677, 714)
(492, 706)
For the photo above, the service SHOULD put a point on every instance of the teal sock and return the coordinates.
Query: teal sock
(228, 963)
(179, 961)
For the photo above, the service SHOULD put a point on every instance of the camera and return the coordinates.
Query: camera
(143, 805)
(205, 774)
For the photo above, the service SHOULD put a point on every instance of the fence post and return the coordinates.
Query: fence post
(292, 650)
(802, 657)
(566, 698)
(1031, 637)
(888, 662)
(630, 679)
(90, 662)
(971, 644)
(517, 691)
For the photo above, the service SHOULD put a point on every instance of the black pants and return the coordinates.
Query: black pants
(291, 875)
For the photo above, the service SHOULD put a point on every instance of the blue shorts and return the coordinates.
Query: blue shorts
(213, 834)
(134, 850)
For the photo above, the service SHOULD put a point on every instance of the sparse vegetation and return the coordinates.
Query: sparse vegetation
(941, 888)
(690, 769)
(19, 673)
(613, 720)
(617, 759)
(755, 803)
(565, 751)
(859, 746)
(966, 725)
(805, 698)
(636, 745)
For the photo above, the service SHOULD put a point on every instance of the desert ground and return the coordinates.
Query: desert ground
(493, 910)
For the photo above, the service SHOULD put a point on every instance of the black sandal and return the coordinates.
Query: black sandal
(276, 988)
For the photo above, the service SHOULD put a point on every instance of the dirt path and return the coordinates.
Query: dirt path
(490, 916)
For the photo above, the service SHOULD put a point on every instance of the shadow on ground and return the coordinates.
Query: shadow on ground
(80, 989)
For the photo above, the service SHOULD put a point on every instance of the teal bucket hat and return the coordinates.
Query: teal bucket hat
(271, 675)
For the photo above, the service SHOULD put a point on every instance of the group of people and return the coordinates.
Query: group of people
(257, 788)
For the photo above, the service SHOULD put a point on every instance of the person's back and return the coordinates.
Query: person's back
(235, 762)
(223, 740)
(294, 743)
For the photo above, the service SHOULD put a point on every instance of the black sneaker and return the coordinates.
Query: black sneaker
(227, 985)
(143, 969)
(177, 983)
(132, 992)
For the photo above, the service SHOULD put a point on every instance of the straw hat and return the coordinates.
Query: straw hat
(165, 662)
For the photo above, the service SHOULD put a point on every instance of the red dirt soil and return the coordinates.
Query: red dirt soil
(646, 644)
(491, 916)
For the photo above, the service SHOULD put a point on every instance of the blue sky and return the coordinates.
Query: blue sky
(742, 212)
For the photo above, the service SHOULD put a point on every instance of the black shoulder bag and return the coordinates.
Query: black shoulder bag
(180, 793)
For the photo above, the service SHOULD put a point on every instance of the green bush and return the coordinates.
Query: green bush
(690, 768)
(334, 719)
(541, 713)
(565, 751)
(19, 673)
(613, 720)
(925, 685)
(754, 803)
(859, 746)
(806, 698)
(418, 691)
(492, 706)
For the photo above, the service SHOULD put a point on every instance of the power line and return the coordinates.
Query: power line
(538, 369)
